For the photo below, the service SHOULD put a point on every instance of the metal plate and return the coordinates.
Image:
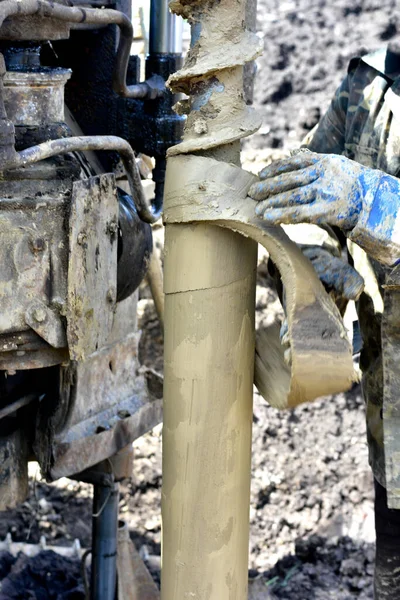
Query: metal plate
(92, 272)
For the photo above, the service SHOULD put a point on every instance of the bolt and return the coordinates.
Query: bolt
(38, 244)
(39, 314)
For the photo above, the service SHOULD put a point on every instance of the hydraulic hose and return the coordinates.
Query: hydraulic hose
(94, 143)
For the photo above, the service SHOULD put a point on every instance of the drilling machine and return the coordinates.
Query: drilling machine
(75, 230)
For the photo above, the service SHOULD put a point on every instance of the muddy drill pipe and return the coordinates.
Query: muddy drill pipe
(209, 333)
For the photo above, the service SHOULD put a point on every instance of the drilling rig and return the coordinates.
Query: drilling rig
(76, 241)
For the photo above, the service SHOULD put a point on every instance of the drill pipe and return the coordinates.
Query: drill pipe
(209, 334)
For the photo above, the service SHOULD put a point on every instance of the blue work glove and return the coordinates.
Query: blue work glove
(326, 189)
(313, 188)
(339, 278)
(334, 273)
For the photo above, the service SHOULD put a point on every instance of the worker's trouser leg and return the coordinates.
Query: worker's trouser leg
(387, 564)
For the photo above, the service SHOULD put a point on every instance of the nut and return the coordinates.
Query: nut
(39, 314)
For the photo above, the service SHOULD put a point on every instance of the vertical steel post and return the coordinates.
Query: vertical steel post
(104, 542)
(165, 35)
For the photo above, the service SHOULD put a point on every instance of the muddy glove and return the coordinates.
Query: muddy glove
(334, 273)
(326, 189)
(339, 278)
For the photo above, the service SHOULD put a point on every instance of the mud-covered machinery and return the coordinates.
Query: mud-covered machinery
(75, 242)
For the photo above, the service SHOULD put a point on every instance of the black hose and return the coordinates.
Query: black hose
(95, 143)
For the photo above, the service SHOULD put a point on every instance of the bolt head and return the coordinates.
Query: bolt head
(38, 244)
(39, 314)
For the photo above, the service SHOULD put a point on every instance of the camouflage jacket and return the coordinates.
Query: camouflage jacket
(363, 124)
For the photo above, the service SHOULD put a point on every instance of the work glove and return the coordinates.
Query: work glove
(326, 189)
(339, 278)
(335, 274)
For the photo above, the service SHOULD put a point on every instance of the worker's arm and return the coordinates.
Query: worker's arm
(327, 189)
(328, 137)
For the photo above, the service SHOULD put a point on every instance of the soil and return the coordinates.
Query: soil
(312, 533)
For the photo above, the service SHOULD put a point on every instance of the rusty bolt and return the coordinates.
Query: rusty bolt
(39, 314)
(38, 244)
(111, 295)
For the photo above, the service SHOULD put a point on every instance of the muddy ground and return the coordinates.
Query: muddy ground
(311, 512)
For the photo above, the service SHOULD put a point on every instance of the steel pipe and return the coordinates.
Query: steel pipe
(104, 542)
(165, 35)
(209, 283)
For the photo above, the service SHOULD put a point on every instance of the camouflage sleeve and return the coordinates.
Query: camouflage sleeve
(329, 135)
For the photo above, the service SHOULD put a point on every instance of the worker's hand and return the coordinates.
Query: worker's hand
(313, 188)
(334, 273)
(339, 278)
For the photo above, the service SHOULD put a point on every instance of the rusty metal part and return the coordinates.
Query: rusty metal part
(34, 204)
(89, 16)
(75, 455)
(107, 408)
(47, 324)
(14, 406)
(35, 98)
(21, 341)
(114, 469)
(34, 359)
(34, 260)
(93, 143)
(92, 268)
(134, 580)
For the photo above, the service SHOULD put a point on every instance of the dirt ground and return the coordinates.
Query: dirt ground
(312, 533)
